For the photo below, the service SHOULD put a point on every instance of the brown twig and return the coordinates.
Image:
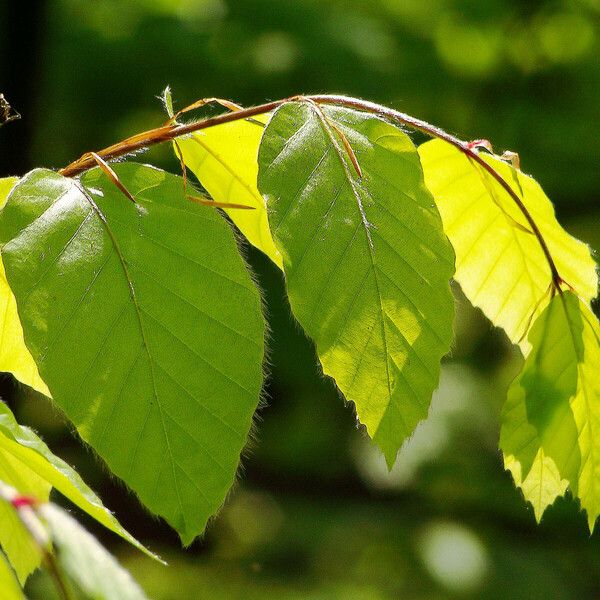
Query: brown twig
(109, 172)
(464, 147)
(171, 131)
(165, 133)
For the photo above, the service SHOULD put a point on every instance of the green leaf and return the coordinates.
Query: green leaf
(366, 262)
(146, 325)
(14, 356)
(6, 185)
(15, 540)
(22, 445)
(86, 561)
(499, 263)
(550, 433)
(224, 159)
(11, 590)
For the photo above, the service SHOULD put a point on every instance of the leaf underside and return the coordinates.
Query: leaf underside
(366, 262)
(499, 263)
(146, 326)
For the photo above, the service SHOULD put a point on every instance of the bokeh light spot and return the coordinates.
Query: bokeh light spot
(454, 556)
(275, 52)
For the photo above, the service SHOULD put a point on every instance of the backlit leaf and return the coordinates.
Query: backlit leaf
(6, 185)
(224, 159)
(550, 433)
(14, 356)
(366, 262)
(11, 590)
(499, 263)
(15, 540)
(146, 326)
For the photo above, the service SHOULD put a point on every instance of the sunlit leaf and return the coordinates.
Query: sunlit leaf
(550, 433)
(224, 159)
(145, 324)
(11, 590)
(21, 445)
(15, 540)
(499, 262)
(14, 356)
(366, 262)
(86, 561)
(6, 185)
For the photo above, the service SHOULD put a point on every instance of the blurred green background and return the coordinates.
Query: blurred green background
(315, 514)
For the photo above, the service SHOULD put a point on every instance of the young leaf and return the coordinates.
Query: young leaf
(145, 324)
(22, 446)
(367, 264)
(15, 540)
(86, 561)
(550, 433)
(224, 159)
(11, 590)
(14, 356)
(499, 263)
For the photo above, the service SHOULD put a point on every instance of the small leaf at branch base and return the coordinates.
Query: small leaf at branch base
(15, 540)
(153, 310)
(500, 264)
(224, 159)
(22, 445)
(14, 356)
(86, 561)
(367, 264)
(550, 433)
(11, 590)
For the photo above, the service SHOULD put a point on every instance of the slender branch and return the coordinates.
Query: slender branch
(162, 134)
(464, 147)
(170, 131)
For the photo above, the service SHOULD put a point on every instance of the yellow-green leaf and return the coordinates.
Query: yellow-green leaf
(224, 159)
(11, 590)
(41, 470)
(499, 263)
(15, 540)
(14, 356)
(550, 433)
(6, 184)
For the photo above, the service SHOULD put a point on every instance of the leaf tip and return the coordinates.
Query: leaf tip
(591, 519)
